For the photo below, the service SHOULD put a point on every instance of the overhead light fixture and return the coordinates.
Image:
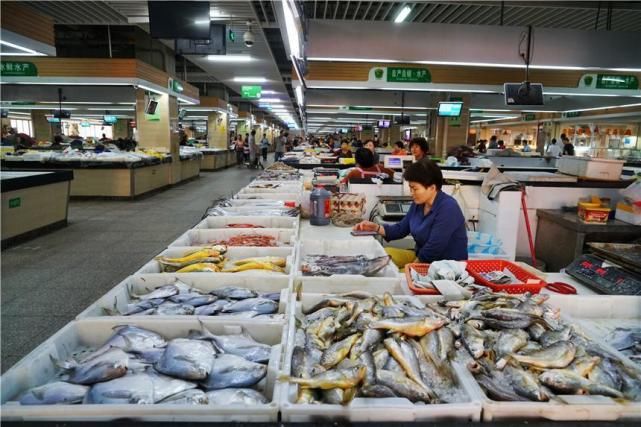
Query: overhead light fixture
(250, 79)
(151, 90)
(269, 92)
(111, 109)
(201, 21)
(293, 37)
(299, 95)
(402, 14)
(25, 51)
(230, 58)
(270, 100)
(603, 108)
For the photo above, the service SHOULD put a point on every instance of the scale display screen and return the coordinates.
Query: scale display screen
(405, 208)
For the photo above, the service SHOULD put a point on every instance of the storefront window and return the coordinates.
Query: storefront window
(22, 126)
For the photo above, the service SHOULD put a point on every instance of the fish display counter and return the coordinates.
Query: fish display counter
(33, 202)
(216, 158)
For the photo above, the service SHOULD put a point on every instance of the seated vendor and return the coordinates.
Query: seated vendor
(345, 152)
(419, 148)
(366, 168)
(434, 220)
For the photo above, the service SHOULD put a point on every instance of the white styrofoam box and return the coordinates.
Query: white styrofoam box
(197, 237)
(282, 188)
(119, 296)
(587, 167)
(254, 203)
(233, 254)
(295, 196)
(340, 284)
(37, 368)
(253, 211)
(368, 409)
(361, 246)
(633, 217)
(263, 221)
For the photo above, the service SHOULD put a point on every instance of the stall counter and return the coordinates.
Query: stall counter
(215, 159)
(33, 203)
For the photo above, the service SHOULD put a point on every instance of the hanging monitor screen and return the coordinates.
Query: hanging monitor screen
(523, 93)
(384, 124)
(179, 19)
(449, 109)
(214, 44)
(62, 114)
(110, 119)
(151, 107)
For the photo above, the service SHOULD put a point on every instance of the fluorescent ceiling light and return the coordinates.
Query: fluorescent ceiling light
(603, 108)
(402, 14)
(493, 120)
(270, 100)
(35, 107)
(25, 51)
(185, 101)
(150, 89)
(373, 106)
(299, 95)
(79, 102)
(111, 109)
(268, 92)
(201, 21)
(230, 58)
(250, 79)
(293, 38)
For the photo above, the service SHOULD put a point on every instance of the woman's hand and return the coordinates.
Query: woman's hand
(369, 226)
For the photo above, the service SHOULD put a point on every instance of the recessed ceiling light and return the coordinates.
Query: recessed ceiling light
(250, 79)
(402, 14)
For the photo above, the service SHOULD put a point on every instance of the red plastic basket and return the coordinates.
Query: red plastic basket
(422, 270)
(474, 267)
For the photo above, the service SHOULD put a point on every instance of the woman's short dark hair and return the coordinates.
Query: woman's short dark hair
(421, 142)
(399, 144)
(425, 172)
(364, 157)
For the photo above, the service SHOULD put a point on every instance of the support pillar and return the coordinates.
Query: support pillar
(41, 127)
(217, 126)
(159, 131)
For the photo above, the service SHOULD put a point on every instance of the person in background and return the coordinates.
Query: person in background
(554, 150)
(246, 148)
(481, 147)
(10, 138)
(183, 139)
(501, 145)
(493, 145)
(104, 138)
(279, 150)
(419, 148)
(366, 167)
(568, 147)
(369, 144)
(239, 149)
(345, 152)
(57, 143)
(288, 143)
(435, 220)
(526, 147)
(399, 149)
(253, 148)
(264, 146)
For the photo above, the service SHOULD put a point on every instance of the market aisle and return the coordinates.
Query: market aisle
(47, 281)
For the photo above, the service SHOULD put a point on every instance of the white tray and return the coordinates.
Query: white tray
(199, 237)
(233, 254)
(265, 221)
(253, 203)
(36, 369)
(340, 284)
(368, 247)
(579, 408)
(251, 210)
(119, 296)
(296, 196)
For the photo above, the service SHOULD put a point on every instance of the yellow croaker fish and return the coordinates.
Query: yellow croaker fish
(279, 261)
(338, 378)
(190, 258)
(255, 266)
(413, 327)
(202, 267)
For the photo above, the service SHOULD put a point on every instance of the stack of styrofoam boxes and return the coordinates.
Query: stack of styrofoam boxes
(92, 328)
(279, 190)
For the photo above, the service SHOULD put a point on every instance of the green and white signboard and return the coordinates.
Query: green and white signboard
(251, 92)
(18, 69)
(609, 81)
(399, 75)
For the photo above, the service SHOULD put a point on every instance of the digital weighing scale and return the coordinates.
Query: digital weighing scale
(393, 208)
(613, 269)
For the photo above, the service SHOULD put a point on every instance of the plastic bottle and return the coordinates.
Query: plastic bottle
(319, 202)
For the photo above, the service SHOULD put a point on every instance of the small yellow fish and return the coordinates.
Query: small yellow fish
(255, 266)
(279, 261)
(190, 258)
(202, 267)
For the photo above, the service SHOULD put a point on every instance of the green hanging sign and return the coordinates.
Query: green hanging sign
(18, 69)
(15, 203)
(408, 75)
(251, 92)
(609, 81)
(528, 117)
(175, 85)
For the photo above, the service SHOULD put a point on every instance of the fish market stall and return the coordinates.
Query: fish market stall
(214, 159)
(190, 159)
(33, 202)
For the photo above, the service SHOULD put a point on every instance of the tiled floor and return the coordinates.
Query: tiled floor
(47, 281)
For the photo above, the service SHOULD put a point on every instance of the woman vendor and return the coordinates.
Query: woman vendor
(434, 220)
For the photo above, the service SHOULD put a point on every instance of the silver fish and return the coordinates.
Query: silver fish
(137, 307)
(135, 388)
(474, 340)
(239, 396)
(403, 386)
(187, 359)
(211, 309)
(525, 384)
(193, 299)
(510, 341)
(172, 309)
(377, 390)
(232, 292)
(161, 292)
(99, 367)
(558, 355)
(566, 381)
(233, 371)
(550, 337)
(369, 339)
(259, 305)
(324, 265)
(55, 393)
(133, 339)
(187, 397)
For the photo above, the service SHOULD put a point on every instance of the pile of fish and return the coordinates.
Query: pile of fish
(211, 260)
(272, 211)
(523, 351)
(246, 239)
(203, 259)
(357, 344)
(326, 265)
(181, 299)
(627, 341)
(138, 366)
(280, 166)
